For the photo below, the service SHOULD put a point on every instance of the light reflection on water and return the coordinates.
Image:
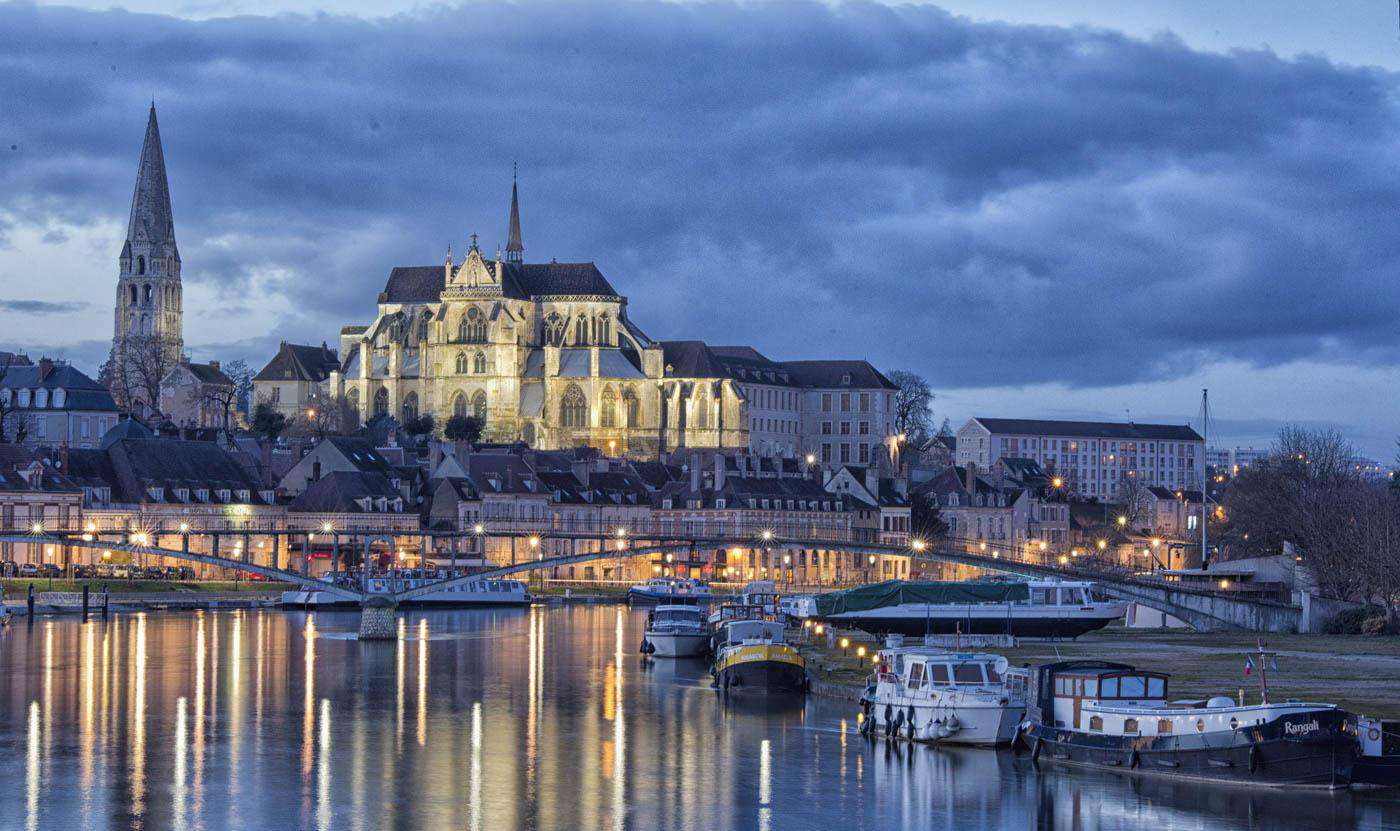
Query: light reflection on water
(541, 718)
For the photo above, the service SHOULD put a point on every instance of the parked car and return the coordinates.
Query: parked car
(8, 568)
(84, 570)
(121, 572)
(28, 570)
(50, 570)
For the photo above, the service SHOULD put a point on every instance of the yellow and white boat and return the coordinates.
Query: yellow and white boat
(752, 655)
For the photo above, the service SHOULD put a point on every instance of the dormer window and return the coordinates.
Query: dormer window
(24, 398)
(182, 494)
(59, 396)
(225, 494)
(201, 494)
(720, 503)
(846, 380)
(156, 493)
(244, 495)
(41, 398)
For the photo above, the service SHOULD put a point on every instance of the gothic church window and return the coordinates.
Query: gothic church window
(133, 294)
(479, 363)
(573, 410)
(581, 332)
(381, 401)
(140, 265)
(148, 294)
(410, 407)
(423, 328)
(461, 363)
(479, 407)
(554, 330)
(459, 405)
(472, 329)
(633, 407)
(608, 411)
(702, 410)
(604, 331)
(352, 399)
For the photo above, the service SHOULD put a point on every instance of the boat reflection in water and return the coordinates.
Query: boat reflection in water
(540, 718)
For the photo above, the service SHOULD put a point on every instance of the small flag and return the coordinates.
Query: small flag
(1248, 665)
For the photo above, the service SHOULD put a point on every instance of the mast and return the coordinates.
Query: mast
(1205, 499)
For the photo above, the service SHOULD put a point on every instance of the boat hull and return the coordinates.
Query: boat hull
(894, 621)
(770, 669)
(1311, 749)
(1381, 771)
(984, 726)
(678, 644)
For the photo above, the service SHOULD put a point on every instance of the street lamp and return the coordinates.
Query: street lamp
(326, 528)
(918, 545)
(845, 642)
(860, 653)
(811, 458)
(534, 542)
(477, 529)
(37, 528)
(767, 535)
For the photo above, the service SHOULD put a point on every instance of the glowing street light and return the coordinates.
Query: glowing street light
(184, 528)
(534, 542)
(36, 528)
(1122, 520)
(326, 528)
(845, 642)
(811, 458)
(477, 529)
(918, 545)
(767, 535)
(1057, 482)
(860, 653)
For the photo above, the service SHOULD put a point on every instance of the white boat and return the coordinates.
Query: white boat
(758, 598)
(798, 606)
(926, 694)
(1028, 609)
(473, 593)
(671, 590)
(676, 632)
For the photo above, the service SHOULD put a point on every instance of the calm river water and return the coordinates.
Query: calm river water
(544, 718)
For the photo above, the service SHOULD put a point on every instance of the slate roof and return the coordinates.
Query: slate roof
(1090, 429)
(130, 466)
(301, 363)
(697, 359)
(80, 391)
(361, 453)
(14, 457)
(338, 492)
(834, 373)
(737, 491)
(210, 374)
(522, 281)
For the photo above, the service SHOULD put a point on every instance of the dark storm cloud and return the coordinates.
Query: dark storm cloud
(994, 204)
(40, 307)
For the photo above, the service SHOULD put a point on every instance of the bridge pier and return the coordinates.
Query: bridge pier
(378, 618)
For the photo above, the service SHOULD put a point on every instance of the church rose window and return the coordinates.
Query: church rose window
(573, 410)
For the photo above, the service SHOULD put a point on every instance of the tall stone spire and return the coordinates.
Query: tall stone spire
(515, 249)
(152, 222)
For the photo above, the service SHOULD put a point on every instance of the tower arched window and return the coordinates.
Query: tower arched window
(381, 401)
(581, 332)
(479, 407)
(479, 363)
(604, 330)
(423, 328)
(133, 294)
(352, 399)
(554, 330)
(140, 264)
(607, 414)
(702, 410)
(573, 409)
(145, 324)
(148, 294)
(472, 328)
(410, 407)
(461, 365)
(633, 407)
(459, 405)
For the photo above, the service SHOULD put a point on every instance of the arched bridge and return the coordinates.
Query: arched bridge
(1203, 610)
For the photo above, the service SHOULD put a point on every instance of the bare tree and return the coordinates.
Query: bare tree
(1134, 502)
(134, 374)
(242, 377)
(219, 397)
(912, 405)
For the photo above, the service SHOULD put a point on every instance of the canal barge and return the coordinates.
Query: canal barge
(1378, 753)
(1114, 716)
(671, 591)
(676, 632)
(752, 655)
(928, 695)
(1027, 609)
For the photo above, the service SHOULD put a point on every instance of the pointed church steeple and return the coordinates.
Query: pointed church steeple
(515, 249)
(151, 228)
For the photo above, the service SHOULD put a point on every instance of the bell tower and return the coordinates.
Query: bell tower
(148, 331)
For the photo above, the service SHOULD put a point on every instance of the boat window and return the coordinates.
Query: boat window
(1156, 687)
(1096, 722)
(1110, 687)
(1042, 596)
(1164, 727)
(992, 674)
(916, 676)
(939, 673)
(1130, 725)
(1132, 686)
(967, 673)
(1200, 725)
(1091, 687)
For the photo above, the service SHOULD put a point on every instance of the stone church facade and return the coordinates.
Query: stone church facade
(546, 353)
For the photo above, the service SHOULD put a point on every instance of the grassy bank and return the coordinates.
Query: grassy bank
(16, 587)
(1358, 673)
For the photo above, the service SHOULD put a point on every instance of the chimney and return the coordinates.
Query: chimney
(695, 472)
(719, 471)
(45, 367)
(214, 365)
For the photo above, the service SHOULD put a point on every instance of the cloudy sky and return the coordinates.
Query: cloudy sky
(1059, 209)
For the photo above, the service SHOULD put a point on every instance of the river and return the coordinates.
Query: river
(546, 718)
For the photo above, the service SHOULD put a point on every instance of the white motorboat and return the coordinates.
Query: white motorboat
(672, 591)
(675, 631)
(929, 695)
(473, 593)
(1030, 609)
(758, 599)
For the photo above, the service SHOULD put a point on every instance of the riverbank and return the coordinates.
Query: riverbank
(57, 597)
(18, 587)
(1356, 672)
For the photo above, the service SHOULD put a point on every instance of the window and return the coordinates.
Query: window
(939, 674)
(826, 398)
(865, 402)
(633, 407)
(461, 365)
(845, 428)
(607, 414)
(573, 409)
(967, 673)
(479, 407)
(1110, 688)
(845, 453)
(410, 407)
(352, 399)
(845, 402)
(581, 332)
(1164, 727)
(459, 405)
(916, 676)
(1130, 725)
(479, 363)
(381, 402)
(702, 410)
(865, 428)
(604, 330)
(1096, 722)
(1156, 687)
(1132, 686)
(472, 328)
(554, 330)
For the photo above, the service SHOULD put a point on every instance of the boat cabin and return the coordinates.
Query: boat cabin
(916, 668)
(1058, 593)
(676, 616)
(749, 631)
